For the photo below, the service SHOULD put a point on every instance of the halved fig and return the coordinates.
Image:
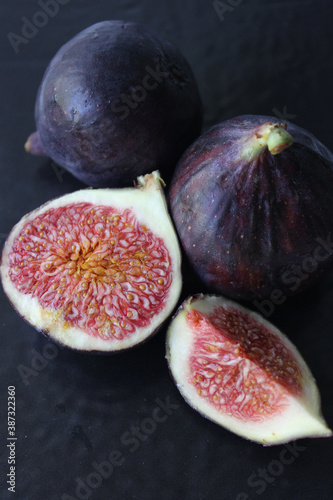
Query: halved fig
(237, 369)
(97, 269)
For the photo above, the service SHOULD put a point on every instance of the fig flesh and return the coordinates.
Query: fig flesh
(97, 269)
(237, 369)
(116, 102)
(251, 199)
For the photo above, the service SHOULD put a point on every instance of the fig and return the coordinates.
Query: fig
(116, 102)
(251, 200)
(237, 369)
(97, 269)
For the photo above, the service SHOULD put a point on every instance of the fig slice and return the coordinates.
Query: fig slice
(97, 269)
(238, 370)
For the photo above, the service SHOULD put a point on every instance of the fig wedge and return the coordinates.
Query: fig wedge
(237, 369)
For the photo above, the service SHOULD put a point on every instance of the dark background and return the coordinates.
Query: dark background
(258, 57)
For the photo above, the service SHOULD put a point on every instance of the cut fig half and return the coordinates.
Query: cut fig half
(238, 370)
(97, 269)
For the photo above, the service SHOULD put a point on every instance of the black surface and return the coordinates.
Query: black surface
(263, 57)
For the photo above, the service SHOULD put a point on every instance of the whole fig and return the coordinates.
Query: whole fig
(116, 102)
(252, 200)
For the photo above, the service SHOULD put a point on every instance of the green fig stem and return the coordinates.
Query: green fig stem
(278, 140)
(274, 136)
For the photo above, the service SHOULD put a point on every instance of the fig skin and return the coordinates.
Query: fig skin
(116, 102)
(255, 222)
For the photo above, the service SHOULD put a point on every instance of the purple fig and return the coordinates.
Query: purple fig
(252, 202)
(116, 102)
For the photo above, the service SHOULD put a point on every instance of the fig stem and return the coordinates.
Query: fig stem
(278, 139)
(272, 136)
(34, 145)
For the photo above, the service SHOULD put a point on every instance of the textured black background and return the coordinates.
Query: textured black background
(261, 57)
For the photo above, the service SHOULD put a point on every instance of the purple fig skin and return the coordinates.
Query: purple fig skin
(254, 223)
(116, 102)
